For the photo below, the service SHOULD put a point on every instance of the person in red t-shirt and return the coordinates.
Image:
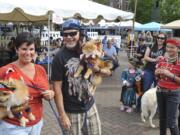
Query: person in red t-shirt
(168, 93)
(34, 77)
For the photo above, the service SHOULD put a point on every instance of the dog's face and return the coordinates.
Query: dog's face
(4, 96)
(14, 92)
(92, 48)
(7, 88)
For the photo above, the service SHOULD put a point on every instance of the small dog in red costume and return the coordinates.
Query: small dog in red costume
(14, 95)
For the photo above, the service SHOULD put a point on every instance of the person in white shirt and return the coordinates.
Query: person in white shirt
(111, 54)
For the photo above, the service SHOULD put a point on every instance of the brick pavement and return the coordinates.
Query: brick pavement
(114, 122)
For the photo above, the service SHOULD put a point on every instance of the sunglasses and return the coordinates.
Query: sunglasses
(162, 38)
(141, 39)
(71, 34)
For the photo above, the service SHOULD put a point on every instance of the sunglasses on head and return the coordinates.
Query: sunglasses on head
(162, 38)
(71, 34)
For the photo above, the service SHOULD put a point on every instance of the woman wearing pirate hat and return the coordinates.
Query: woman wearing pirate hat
(168, 93)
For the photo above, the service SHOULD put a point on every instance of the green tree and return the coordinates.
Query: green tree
(104, 2)
(143, 11)
(169, 10)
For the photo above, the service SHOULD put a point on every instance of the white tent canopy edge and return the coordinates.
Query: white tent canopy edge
(66, 8)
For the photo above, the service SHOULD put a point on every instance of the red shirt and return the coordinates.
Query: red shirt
(166, 82)
(40, 80)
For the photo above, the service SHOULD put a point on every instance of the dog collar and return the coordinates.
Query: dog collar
(3, 87)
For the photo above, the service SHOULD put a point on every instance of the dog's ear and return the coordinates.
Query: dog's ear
(11, 81)
(9, 70)
(21, 78)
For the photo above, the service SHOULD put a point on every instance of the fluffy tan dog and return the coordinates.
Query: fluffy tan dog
(13, 94)
(91, 53)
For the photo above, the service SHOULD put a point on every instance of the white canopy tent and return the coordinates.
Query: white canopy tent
(128, 23)
(83, 9)
(172, 25)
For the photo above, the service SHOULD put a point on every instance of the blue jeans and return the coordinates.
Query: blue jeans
(148, 79)
(168, 103)
(10, 129)
(179, 119)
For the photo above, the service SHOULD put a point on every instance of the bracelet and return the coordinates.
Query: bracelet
(174, 77)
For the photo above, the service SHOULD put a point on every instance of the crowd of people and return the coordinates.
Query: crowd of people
(155, 63)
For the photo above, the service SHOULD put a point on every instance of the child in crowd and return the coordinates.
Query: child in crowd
(128, 93)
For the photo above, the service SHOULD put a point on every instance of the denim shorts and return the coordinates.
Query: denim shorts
(10, 129)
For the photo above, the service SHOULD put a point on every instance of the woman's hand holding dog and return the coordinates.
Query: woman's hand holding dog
(164, 72)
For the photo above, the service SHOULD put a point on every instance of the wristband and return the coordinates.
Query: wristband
(174, 77)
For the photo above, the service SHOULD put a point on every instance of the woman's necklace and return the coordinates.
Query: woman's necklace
(172, 59)
(170, 62)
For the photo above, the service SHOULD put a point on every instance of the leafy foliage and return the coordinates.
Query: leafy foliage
(170, 10)
(143, 11)
(104, 2)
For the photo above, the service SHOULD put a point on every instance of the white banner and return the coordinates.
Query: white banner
(53, 34)
(57, 19)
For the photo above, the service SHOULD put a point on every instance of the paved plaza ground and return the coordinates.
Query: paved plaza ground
(114, 122)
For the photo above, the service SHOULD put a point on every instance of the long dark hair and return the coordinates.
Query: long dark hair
(82, 38)
(155, 46)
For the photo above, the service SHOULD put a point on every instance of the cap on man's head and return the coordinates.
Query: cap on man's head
(173, 42)
(71, 24)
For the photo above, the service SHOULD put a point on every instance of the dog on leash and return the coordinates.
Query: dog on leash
(14, 95)
(149, 105)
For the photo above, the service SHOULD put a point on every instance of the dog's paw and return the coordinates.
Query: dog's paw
(143, 120)
(31, 117)
(153, 126)
(23, 121)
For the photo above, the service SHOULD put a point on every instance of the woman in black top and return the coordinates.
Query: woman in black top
(151, 57)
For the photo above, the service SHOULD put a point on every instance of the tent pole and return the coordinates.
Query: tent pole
(120, 34)
(135, 7)
(48, 72)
